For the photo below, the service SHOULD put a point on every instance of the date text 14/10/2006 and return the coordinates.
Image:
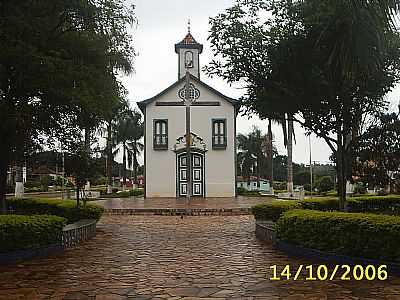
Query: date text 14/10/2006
(323, 272)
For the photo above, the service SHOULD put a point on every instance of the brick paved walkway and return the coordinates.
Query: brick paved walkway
(156, 257)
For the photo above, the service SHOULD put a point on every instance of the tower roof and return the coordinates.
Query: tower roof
(188, 42)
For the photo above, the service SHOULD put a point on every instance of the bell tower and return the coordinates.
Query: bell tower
(188, 51)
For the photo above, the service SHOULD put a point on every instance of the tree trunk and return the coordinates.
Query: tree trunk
(289, 156)
(271, 155)
(123, 167)
(340, 170)
(77, 195)
(3, 181)
(134, 163)
(87, 152)
(19, 181)
(109, 159)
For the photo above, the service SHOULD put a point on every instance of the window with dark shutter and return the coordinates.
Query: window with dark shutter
(219, 133)
(160, 141)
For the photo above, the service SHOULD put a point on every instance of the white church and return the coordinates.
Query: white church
(213, 132)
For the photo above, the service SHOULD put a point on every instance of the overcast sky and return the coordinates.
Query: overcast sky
(162, 23)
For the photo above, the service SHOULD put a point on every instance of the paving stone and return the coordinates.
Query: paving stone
(169, 258)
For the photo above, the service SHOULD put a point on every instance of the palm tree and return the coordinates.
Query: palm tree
(254, 150)
(136, 147)
(129, 131)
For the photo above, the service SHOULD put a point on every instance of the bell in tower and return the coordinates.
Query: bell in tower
(188, 51)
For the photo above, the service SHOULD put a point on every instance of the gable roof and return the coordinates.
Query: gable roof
(142, 104)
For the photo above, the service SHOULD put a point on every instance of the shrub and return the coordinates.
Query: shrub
(307, 187)
(359, 188)
(355, 234)
(241, 190)
(323, 203)
(271, 211)
(23, 232)
(62, 208)
(376, 204)
(324, 184)
(136, 192)
(278, 185)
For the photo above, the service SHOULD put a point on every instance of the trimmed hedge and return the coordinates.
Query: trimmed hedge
(324, 204)
(389, 205)
(375, 204)
(354, 234)
(25, 232)
(62, 208)
(274, 209)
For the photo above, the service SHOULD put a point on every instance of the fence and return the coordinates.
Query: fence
(78, 232)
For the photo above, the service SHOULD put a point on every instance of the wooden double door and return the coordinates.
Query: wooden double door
(197, 160)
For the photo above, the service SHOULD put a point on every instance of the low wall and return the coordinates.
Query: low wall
(180, 211)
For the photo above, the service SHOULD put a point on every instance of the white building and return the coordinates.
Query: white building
(213, 132)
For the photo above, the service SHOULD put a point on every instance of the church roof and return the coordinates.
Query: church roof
(142, 104)
(188, 42)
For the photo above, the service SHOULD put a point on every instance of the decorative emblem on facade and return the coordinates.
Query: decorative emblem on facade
(194, 93)
(195, 142)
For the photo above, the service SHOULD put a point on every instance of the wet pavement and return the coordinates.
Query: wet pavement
(166, 257)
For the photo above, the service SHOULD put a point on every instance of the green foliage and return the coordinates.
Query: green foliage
(272, 211)
(324, 184)
(241, 190)
(375, 204)
(281, 186)
(378, 151)
(136, 192)
(323, 204)
(24, 232)
(354, 234)
(366, 204)
(62, 208)
(360, 189)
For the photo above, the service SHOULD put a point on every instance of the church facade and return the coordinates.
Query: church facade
(212, 128)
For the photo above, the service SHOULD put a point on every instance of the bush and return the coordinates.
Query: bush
(271, 211)
(25, 232)
(136, 192)
(359, 188)
(324, 184)
(62, 208)
(375, 204)
(354, 234)
(278, 185)
(241, 190)
(307, 187)
(323, 203)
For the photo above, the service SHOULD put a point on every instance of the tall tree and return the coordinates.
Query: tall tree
(136, 145)
(58, 61)
(326, 63)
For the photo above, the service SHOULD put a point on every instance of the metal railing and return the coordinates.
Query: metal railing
(78, 232)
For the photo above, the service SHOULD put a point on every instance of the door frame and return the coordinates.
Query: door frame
(178, 169)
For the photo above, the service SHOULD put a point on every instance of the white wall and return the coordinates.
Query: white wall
(161, 164)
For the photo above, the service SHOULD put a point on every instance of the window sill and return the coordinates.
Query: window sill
(219, 147)
(160, 147)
